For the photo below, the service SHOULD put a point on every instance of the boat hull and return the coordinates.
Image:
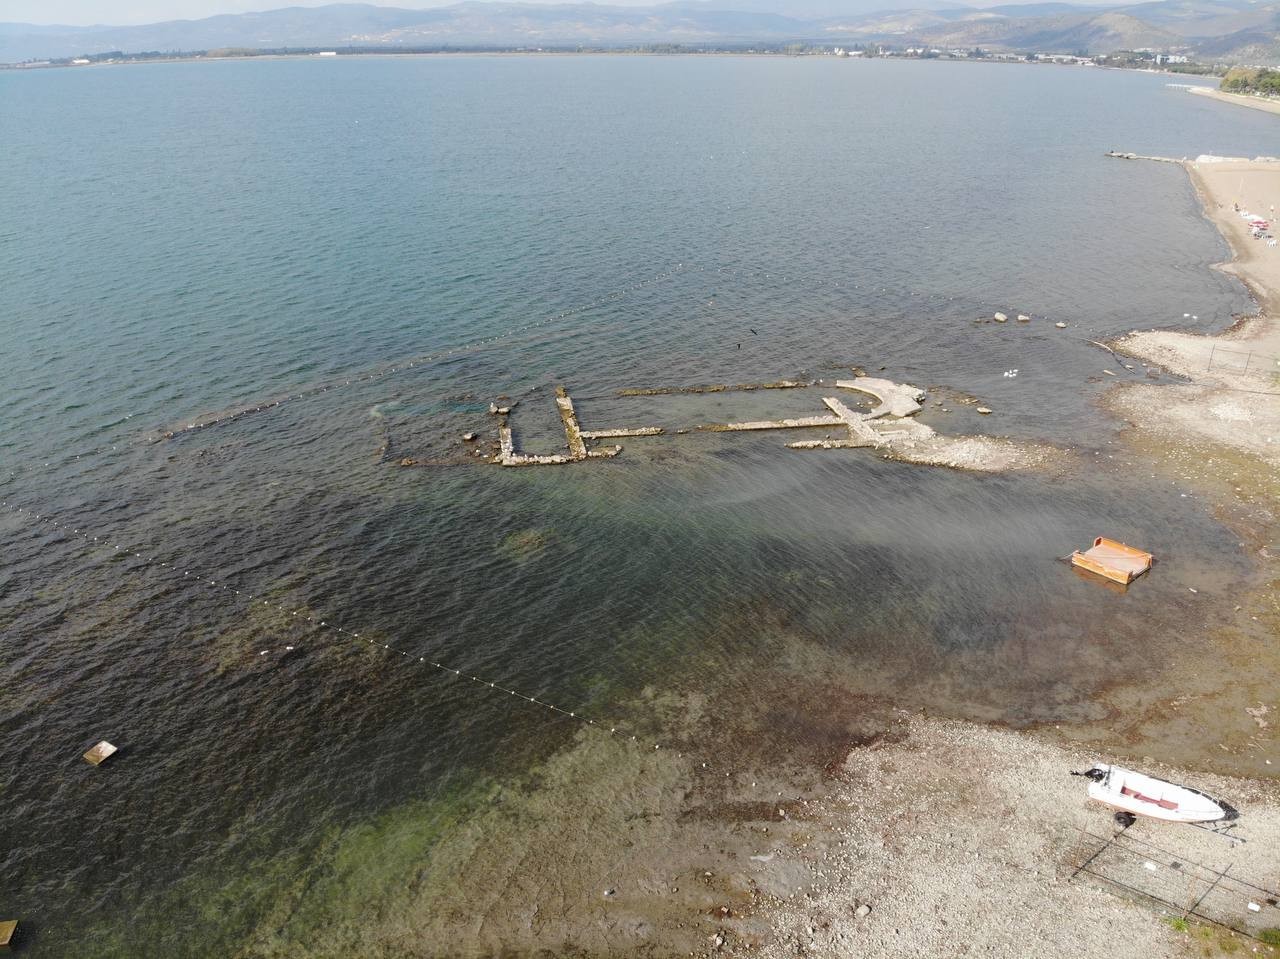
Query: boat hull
(1153, 798)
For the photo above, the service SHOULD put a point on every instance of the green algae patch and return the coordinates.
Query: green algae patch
(258, 627)
(277, 621)
(465, 873)
(361, 883)
(298, 902)
(496, 867)
(525, 545)
(486, 868)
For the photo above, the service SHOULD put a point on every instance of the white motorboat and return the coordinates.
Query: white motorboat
(1142, 795)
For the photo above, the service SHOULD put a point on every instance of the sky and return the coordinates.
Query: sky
(128, 12)
(82, 12)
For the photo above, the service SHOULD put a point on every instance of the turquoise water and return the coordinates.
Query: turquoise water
(181, 240)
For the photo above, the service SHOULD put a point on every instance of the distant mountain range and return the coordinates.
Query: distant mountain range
(1233, 31)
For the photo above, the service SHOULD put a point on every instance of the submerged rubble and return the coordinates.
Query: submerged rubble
(888, 426)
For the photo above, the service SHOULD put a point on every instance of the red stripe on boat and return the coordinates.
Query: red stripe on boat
(1162, 803)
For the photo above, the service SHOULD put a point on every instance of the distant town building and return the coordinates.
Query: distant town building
(1065, 58)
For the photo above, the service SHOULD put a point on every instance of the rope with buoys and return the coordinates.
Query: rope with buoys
(190, 576)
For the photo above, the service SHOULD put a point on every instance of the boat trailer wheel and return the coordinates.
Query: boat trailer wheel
(1125, 819)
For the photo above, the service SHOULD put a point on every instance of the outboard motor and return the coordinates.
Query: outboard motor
(1096, 774)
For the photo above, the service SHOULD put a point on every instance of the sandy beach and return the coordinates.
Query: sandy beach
(1254, 103)
(1232, 397)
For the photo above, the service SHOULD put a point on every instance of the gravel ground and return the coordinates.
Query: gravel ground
(1223, 405)
(985, 454)
(1248, 423)
(952, 839)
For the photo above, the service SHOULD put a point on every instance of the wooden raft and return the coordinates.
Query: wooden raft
(1114, 560)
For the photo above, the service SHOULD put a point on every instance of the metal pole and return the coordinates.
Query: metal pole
(1204, 895)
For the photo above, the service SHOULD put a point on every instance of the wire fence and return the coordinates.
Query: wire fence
(1238, 361)
(1181, 887)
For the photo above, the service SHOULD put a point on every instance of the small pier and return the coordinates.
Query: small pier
(1117, 155)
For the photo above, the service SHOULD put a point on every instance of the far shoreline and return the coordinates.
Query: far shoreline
(135, 60)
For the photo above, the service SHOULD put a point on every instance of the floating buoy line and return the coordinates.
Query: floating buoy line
(195, 578)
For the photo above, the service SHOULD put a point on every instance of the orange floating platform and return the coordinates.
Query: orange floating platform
(1116, 561)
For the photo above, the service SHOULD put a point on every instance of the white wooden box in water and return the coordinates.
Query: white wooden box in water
(100, 753)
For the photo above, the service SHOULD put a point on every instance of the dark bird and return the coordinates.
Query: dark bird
(753, 332)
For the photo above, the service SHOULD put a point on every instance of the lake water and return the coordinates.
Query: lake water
(180, 240)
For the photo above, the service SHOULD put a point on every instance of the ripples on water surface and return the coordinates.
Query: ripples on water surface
(180, 239)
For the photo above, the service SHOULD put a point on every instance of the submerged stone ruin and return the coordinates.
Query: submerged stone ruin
(575, 437)
(888, 427)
